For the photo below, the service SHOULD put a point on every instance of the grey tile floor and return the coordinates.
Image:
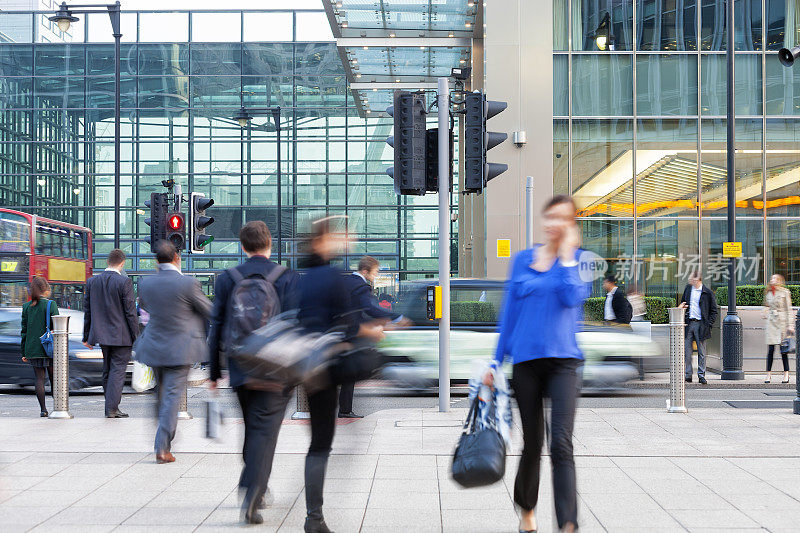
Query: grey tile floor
(638, 470)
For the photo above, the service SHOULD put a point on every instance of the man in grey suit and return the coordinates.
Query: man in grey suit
(174, 339)
(110, 320)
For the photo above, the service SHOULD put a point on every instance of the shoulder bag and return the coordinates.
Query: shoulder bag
(47, 337)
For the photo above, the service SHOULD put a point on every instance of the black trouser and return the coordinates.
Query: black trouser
(346, 397)
(771, 355)
(322, 406)
(262, 412)
(533, 380)
(115, 362)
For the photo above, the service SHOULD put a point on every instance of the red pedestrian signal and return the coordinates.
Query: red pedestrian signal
(176, 222)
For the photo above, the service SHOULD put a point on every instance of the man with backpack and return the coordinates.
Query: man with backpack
(245, 298)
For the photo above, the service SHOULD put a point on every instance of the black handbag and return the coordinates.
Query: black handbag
(788, 345)
(480, 457)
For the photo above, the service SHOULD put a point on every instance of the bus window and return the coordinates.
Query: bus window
(14, 233)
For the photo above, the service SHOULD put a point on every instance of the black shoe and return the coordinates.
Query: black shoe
(251, 514)
(351, 414)
(688, 380)
(44, 414)
(702, 381)
(316, 525)
(265, 500)
(117, 414)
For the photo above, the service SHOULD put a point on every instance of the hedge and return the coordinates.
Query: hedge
(753, 294)
(481, 312)
(657, 309)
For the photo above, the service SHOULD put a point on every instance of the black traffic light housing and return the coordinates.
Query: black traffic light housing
(432, 159)
(477, 141)
(176, 230)
(158, 205)
(198, 222)
(408, 142)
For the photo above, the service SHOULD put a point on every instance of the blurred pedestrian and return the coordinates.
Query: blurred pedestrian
(617, 307)
(638, 304)
(701, 313)
(778, 312)
(545, 294)
(266, 289)
(385, 300)
(360, 285)
(36, 319)
(110, 320)
(174, 338)
(326, 303)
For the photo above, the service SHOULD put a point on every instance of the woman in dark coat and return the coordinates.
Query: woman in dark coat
(34, 323)
(325, 304)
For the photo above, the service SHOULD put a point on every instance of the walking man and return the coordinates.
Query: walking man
(110, 320)
(617, 307)
(174, 339)
(262, 288)
(701, 314)
(360, 284)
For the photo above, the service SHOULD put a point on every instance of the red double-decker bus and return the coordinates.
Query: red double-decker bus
(30, 246)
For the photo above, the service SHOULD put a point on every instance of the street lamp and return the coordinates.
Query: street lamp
(787, 58)
(732, 324)
(603, 37)
(243, 117)
(64, 17)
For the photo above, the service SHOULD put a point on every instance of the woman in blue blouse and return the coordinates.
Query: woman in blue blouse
(541, 313)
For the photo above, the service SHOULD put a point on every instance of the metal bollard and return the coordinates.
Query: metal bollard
(183, 406)
(677, 364)
(301, 410)
(61, 367)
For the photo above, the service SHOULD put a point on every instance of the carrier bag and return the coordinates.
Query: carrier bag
(47, 337)
(143, 377)
(480, 457)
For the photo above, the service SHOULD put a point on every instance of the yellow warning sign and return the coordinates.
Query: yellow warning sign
(731, 249)
(503, 247)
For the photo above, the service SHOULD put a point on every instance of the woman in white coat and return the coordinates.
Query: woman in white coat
(778, 312)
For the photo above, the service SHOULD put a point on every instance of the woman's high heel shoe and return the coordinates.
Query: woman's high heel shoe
(44, 414)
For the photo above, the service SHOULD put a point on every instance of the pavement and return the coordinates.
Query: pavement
(720, 469)
(752, 380)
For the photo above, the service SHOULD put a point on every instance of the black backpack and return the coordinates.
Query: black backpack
(252, 303)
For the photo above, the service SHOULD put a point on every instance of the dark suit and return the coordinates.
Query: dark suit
(174, 339)
(263, 408)
(623, 311)
(698, 331)
(361, 297)
(110, 320)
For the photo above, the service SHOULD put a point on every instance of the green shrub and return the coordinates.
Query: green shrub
(481, 312)
(656, 309)
(753, 294)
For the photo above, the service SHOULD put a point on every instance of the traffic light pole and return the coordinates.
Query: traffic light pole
(444, 243)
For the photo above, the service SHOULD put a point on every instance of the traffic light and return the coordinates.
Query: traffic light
(158, 205)
(408, 142)
(176, 230)
(198, 222)
(477, 141)
(432, 160)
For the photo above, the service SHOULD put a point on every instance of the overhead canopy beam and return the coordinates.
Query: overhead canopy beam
(405, 42)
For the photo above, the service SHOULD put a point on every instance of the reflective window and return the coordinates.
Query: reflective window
(213, 27)
(666, 84)
(783, 168)
(667, 24)
(602, 85)
(268, 27)
(714, 76)
(600, 24)
(560, 85)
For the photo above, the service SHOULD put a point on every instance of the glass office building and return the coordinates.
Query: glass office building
(184, 76)
(640, 136)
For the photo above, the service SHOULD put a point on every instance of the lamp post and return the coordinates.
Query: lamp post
(732, 324)
(64, 17)
(243, 117)
(787, 58)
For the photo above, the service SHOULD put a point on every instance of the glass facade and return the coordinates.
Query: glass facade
(184, 75)
(640, 136)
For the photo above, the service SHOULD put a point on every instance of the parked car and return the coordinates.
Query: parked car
(613, 354)
(85, 366)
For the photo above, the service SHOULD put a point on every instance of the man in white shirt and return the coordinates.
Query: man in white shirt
(617, 308)
(701, 314)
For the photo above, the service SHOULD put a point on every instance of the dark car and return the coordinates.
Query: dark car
(85, 365)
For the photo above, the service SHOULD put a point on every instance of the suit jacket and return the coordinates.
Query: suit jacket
(362, 297)
(709, 310)
(285, 286)
(176, 332)
(621, 306)
(109, 310)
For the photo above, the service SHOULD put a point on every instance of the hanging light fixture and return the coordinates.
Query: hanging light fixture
(63, 17)
(243, 117)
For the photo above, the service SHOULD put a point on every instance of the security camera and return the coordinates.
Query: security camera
(461, 73)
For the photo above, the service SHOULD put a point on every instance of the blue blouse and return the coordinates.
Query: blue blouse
(541, 311)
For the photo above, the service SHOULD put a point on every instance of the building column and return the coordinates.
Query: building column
(518, 51)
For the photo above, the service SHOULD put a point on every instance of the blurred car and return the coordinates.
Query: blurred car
(614, 355)
(85, 365)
